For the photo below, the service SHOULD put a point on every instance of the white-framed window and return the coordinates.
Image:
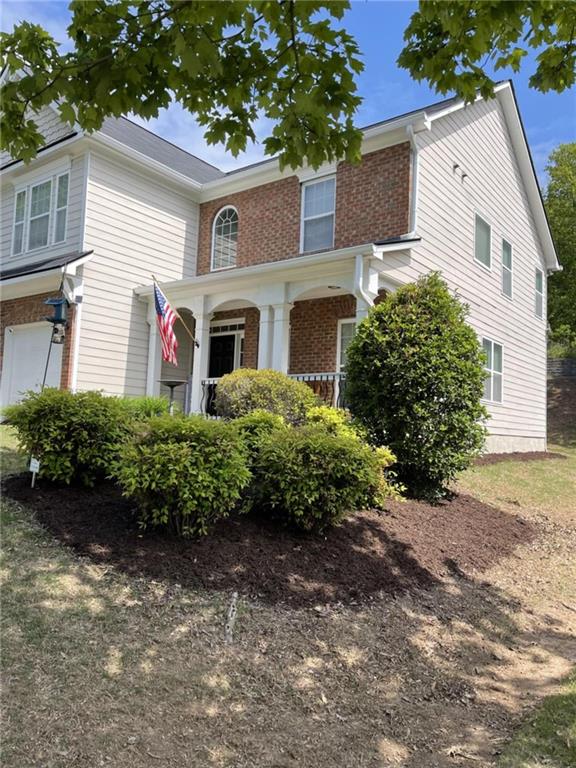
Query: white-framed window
(225, 238)
(482, 242)
(231, 355)
(506, 269)
(318, 214)
(40, 214)
(493, 367)
(539, 288)
(346, 331)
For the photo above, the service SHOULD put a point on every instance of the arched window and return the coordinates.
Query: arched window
(225, 238)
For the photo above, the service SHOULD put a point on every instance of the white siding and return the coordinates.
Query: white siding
(477, 140)
(137, 228)
(73, 240)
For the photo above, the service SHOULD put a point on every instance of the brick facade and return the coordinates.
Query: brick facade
(372, 203)
(314, 332)
(31, 309)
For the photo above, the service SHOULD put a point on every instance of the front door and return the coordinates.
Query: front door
(222, 353)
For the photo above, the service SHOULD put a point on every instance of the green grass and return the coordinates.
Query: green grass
(10, 459)
(548, 738)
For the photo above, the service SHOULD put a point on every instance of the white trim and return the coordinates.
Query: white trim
(303, 219)
(477, 261)
(231, 321)
(76, 347)
(316, 174)
(213, 241)
(85, 181)
(503, 268)
(538, 293)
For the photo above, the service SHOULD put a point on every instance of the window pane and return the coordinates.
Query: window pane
(482, 241)
(487, 387)
(62, 192)
(319, 198)
(506, 254)
(38, 233)
(40, 199)
(20, 205)
(319, 233)
(18, 238)
(225, 239)
(507, 282)
(487, 346)
(539, 281)
(347, 331)
(497, 387)
(539, 305)
(497, 365)
(60, 228)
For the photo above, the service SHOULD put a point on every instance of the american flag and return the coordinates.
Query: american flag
(166, 318)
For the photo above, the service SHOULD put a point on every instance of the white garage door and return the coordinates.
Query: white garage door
(25, 354)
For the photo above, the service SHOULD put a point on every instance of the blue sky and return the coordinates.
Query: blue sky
(378, 26)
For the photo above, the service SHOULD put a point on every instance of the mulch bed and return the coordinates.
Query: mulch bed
(496, 458)
(411, 545)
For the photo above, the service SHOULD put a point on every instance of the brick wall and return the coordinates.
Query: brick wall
(31, 309)
(372, 203)
(314, 332)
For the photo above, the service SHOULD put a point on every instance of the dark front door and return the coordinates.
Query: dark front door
(221, 355)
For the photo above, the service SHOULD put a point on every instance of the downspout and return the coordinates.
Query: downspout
(359, 291)
(415, 175)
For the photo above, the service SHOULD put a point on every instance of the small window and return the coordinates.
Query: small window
(506, 269)
(19, 222)
(225, 239)
(318, 206)
(61, 208)
(493, 370)
(347, 331)
(482, 239)
(39, 225)
(539, 293)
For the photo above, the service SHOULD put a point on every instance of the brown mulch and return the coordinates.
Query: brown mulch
(496, 458)
(411, 545)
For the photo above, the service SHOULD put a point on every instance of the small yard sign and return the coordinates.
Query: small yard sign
(34, 468)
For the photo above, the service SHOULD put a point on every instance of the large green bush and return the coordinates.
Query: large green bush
(246, 390)
(414, 378)
(185, 473)
(311, 479)
(76, 437)
(257, 426)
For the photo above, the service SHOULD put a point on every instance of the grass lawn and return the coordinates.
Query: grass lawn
(103, 669)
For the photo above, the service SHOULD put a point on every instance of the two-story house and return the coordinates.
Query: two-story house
(271, 268)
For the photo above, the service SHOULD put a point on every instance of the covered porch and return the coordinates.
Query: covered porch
(293, 317)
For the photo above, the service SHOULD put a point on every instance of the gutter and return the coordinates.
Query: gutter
(415, 182)
(359, 291)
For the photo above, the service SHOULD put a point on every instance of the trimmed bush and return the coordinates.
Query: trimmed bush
(246, 390)
(414, 379)
(256, 426)
(185, 473)
(336, 421)
(76, 437)
(311, 479)
(146, 407)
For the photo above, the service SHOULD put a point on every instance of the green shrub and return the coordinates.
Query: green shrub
(246, 390)
(146, 407)
(311, 479)
(336, 421)
(414, 379)
(256, 426)
(185, 473)
(76, 437)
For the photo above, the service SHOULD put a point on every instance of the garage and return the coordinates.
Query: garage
(25, 354)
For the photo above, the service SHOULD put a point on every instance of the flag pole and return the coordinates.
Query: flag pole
(179, 316)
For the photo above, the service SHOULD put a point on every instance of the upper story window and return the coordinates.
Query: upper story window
(225, 238)
(506, 269)
(318, 208)
(40, 214)
(493, 369)
(539, 285)
(482, 242)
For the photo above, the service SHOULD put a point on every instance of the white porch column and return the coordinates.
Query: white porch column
(201, 356)
(154, 355)
(281, 337)
(265, 336)
(362, 308)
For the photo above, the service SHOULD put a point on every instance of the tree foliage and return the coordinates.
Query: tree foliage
(229, 63)
(450, 43)
(560, 199)
(226, 62)
(414, 379)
